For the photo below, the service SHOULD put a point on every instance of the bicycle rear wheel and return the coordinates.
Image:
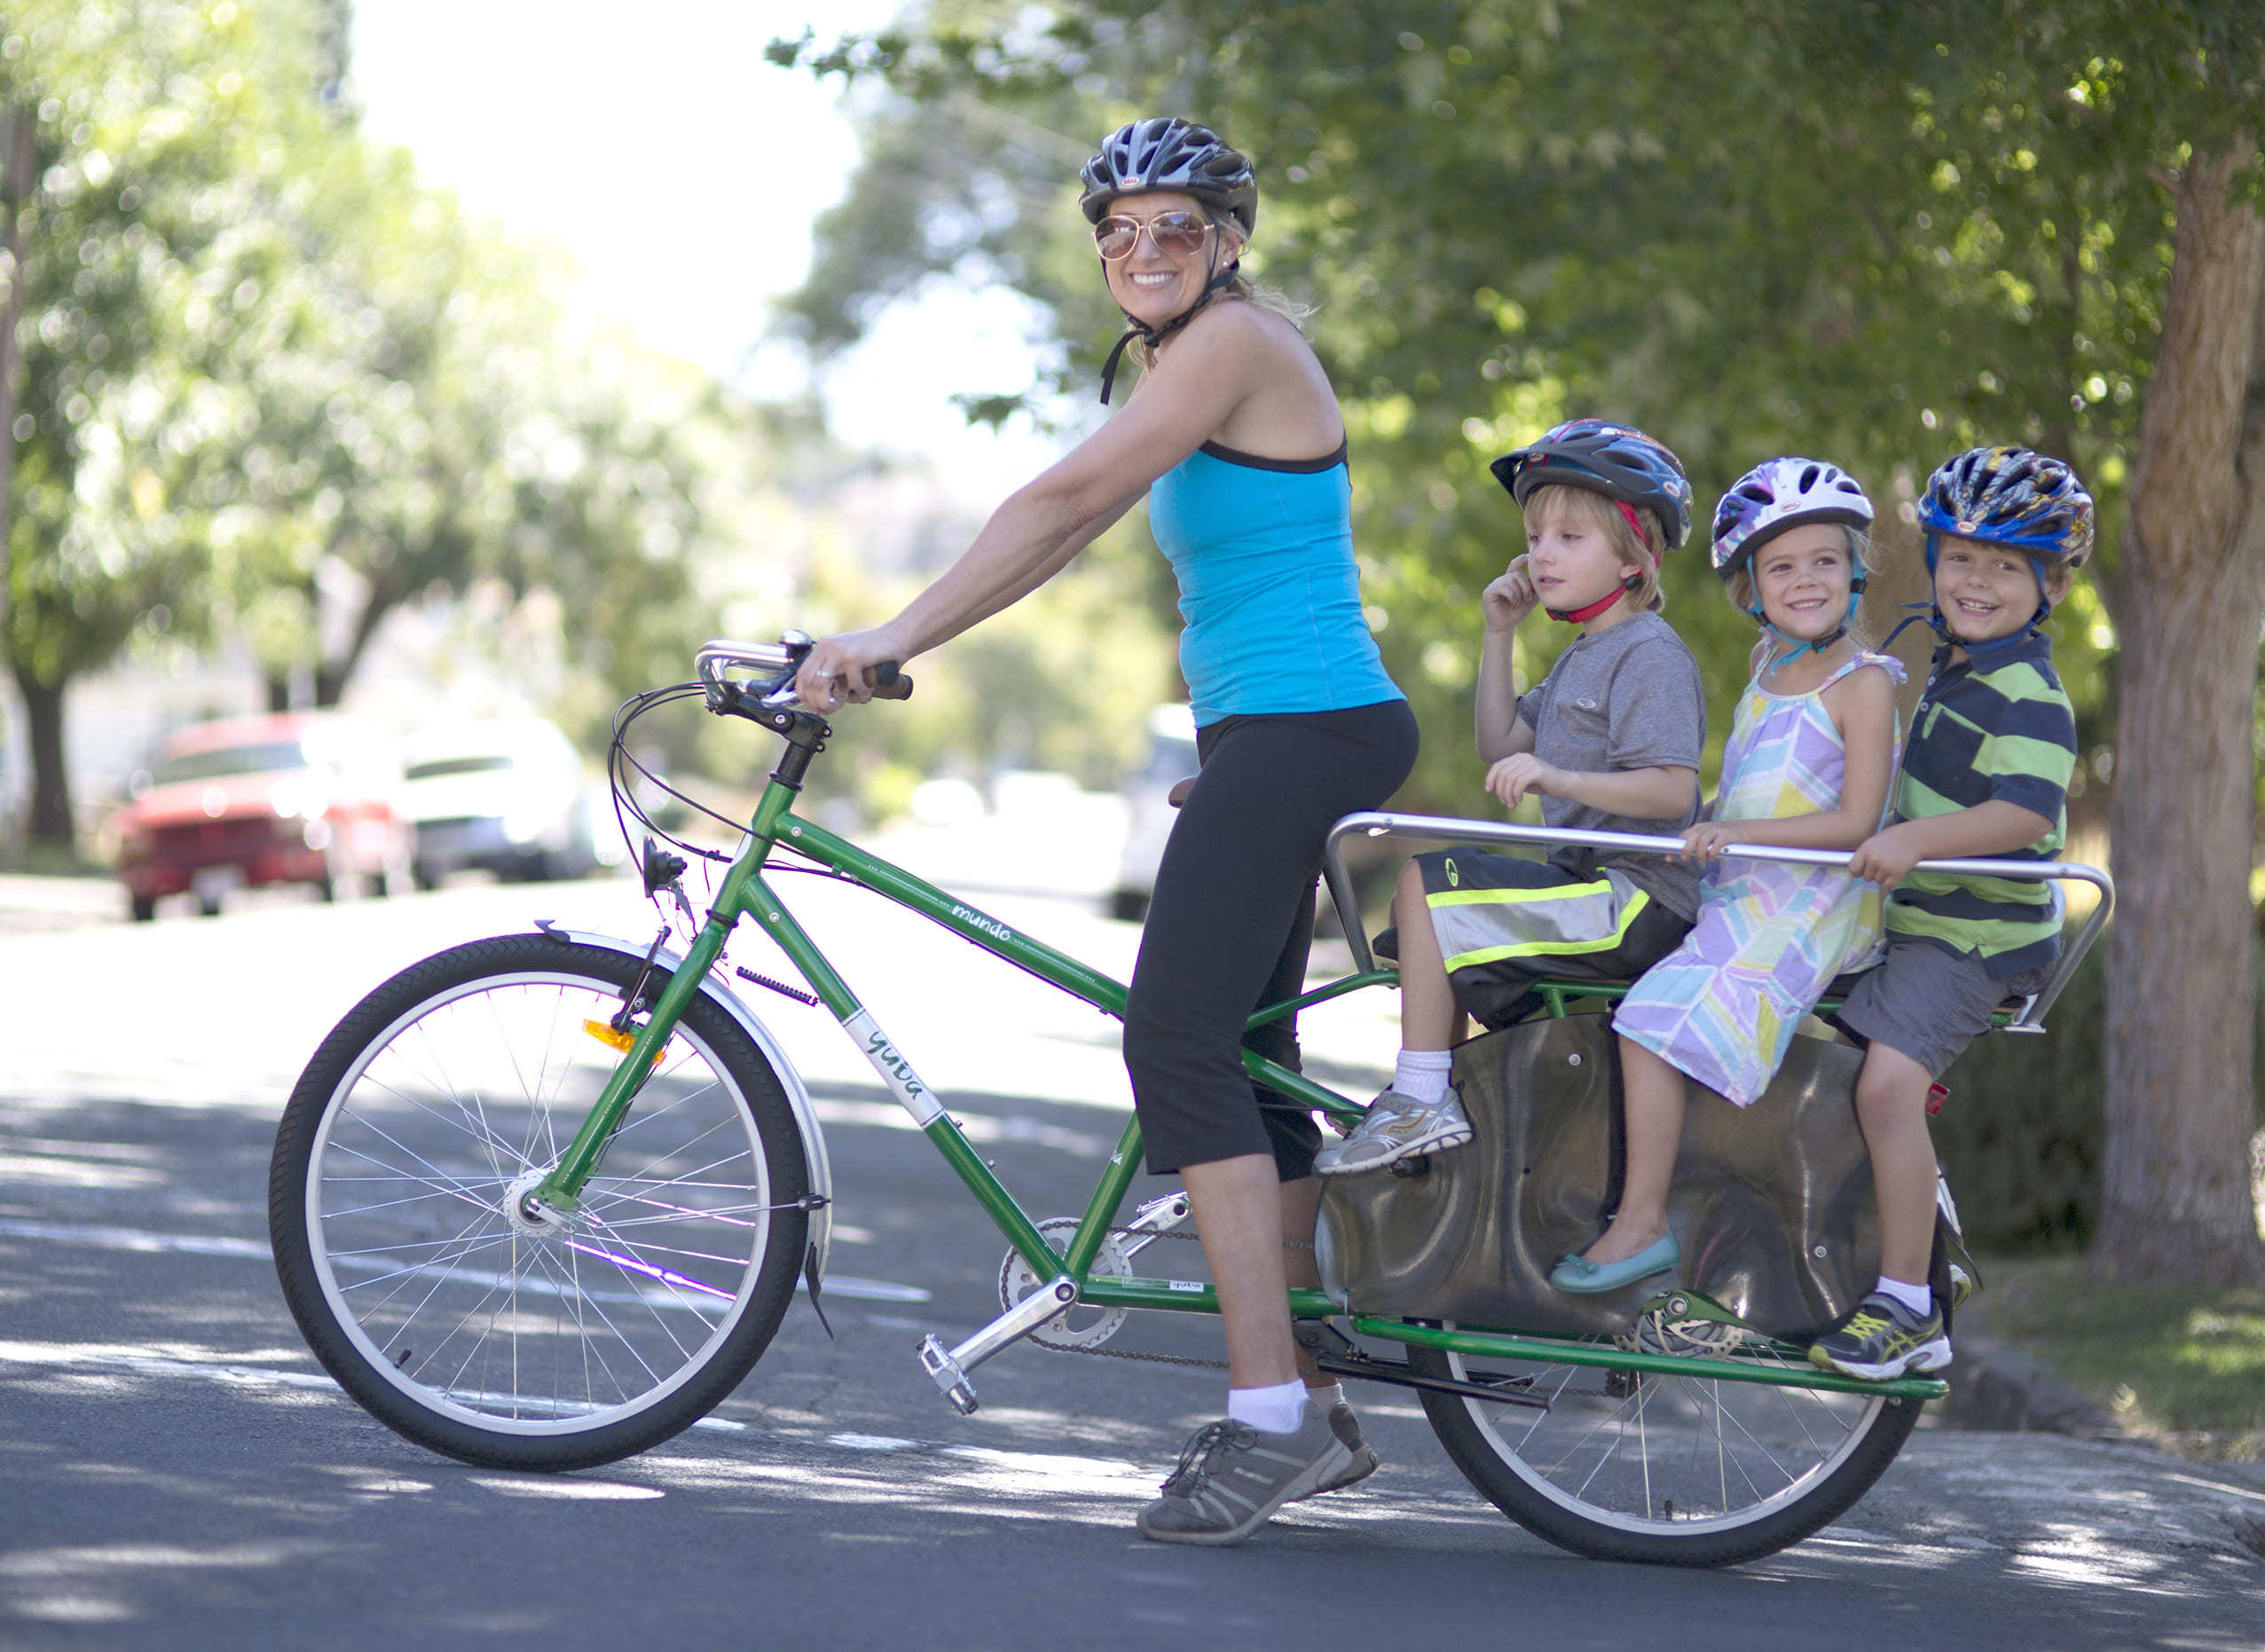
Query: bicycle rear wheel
(423, 1287)
(1670, 1470)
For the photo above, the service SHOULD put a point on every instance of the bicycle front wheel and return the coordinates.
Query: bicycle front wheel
(425, 1288)
(1670, 1470)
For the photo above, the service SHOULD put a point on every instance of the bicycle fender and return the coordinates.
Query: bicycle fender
(819, 1171)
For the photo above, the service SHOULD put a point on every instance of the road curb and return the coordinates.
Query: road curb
(1998, 1389)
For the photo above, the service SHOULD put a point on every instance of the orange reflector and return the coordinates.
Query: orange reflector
(603, 1031)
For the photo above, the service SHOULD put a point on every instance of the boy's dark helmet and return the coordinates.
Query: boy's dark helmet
(1164, 152)
(2010, 496)
(1617, 460)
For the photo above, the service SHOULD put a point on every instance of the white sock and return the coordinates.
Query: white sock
(1277, 1410)
(1325, 1399)
(1918, 1298)
(1422, 1074)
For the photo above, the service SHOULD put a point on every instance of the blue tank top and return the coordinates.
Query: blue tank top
(1263, 549)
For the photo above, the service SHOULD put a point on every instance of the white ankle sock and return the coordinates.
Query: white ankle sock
(1918, 1298)
(1422, 1074)
(1277, 1410)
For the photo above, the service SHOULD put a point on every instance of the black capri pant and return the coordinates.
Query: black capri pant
(1231, 922)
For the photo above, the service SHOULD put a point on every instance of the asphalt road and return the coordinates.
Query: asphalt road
(176, 1471)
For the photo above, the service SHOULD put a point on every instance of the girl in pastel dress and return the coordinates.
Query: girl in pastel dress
(1809, 764)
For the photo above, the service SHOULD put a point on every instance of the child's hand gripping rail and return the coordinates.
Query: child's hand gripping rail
(1441, 829)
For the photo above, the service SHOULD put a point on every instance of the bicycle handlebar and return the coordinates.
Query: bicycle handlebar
(779, 661)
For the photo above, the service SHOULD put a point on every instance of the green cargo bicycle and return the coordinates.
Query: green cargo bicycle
(541, 1201)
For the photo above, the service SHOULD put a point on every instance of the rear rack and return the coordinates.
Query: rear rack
(1442, 829)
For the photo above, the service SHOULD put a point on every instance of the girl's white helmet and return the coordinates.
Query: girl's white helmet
(1781, 493)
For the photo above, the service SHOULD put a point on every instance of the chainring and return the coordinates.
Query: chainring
(1077, 1328)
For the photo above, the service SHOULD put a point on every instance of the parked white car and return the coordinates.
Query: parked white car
(1149, 813)
(507, 795)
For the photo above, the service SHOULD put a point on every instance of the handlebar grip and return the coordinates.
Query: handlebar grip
(887, 682)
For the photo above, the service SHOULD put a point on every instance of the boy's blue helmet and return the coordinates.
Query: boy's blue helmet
(1617, 460)
(2010, 496)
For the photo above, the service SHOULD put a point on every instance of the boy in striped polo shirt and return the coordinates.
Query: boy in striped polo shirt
(1984, 774)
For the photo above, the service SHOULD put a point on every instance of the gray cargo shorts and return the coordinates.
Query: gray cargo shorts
(1930, 1003)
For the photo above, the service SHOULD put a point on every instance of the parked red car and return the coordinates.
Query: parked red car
(297, 798)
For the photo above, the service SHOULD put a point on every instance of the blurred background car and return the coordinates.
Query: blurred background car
(1149, 813)
(243, 802)
(508, 795)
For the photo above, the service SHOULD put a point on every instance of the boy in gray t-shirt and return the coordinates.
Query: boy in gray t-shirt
(1609, 741)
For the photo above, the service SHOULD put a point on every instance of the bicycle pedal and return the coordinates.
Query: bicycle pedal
(937, 1361)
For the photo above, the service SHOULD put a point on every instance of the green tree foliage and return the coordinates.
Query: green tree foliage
(263, 389)
(1878, 233)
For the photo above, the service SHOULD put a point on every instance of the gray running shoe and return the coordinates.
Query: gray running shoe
(1230, 1477)
(1396, 1128)
(1344, 1425)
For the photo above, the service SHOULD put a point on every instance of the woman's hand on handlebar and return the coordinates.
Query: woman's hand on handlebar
(838, 670)
(1509, 598)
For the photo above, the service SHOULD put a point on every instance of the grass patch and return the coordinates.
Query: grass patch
(2181, 1365)
(47, 859)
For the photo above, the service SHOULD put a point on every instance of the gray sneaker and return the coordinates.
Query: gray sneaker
(1396, 1128)
(1343, 1424)
(1230, 1477)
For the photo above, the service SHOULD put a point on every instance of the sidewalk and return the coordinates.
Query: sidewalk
(32, 904)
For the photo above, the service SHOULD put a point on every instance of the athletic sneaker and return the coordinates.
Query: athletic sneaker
(1230, 1477)
(1884, 1339)
(1344, 1425)
(1396, 1128)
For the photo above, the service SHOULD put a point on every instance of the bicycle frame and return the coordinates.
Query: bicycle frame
(1067, 1276)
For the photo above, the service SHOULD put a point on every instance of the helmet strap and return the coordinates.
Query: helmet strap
(1154, 336)
(1582, 616)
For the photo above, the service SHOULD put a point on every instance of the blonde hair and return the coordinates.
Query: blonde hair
(1740, 582)
(1588, 508)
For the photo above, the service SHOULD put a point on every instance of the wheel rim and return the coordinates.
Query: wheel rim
(1667, 1456)
(474, 1314)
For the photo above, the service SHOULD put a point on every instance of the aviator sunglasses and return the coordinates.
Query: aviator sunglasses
(1175, 235)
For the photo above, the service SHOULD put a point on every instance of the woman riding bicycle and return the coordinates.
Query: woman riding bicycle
(1233, 437)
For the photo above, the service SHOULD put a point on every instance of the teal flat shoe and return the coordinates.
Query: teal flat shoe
(1584, 1278)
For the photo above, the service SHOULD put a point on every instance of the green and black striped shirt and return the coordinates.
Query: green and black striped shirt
(2004, 732)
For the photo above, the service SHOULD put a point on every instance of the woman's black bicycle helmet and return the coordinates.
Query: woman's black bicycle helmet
(1164, 152)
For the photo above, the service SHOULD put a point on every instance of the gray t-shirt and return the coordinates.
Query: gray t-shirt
(1628, 697)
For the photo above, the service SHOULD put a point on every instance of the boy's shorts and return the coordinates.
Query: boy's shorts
(1930, 1003)
(1502, 922)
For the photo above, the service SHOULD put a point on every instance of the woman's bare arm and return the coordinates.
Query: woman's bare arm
(1217, 363)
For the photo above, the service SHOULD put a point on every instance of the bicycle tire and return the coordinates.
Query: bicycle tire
(1754, 1466)
(398, 1164)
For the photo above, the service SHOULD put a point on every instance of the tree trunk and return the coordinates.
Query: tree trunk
(50, 782)
(332, 676)
(19, 170)
(2189, 589)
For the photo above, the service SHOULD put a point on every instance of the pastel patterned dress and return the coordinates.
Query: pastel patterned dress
(1770, 936)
